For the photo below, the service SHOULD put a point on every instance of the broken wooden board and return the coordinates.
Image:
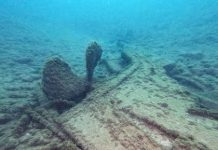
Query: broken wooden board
(140, 108)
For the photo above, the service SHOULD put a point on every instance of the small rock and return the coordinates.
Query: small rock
(164, 105)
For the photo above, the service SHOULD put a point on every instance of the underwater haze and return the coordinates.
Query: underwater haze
(113, 18)
(108, 74)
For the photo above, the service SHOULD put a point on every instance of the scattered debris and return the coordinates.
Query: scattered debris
(204, 108)
(203, 113)
(114, 66)
(196, 72)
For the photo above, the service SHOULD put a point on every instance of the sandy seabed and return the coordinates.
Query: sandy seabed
(139, 108)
